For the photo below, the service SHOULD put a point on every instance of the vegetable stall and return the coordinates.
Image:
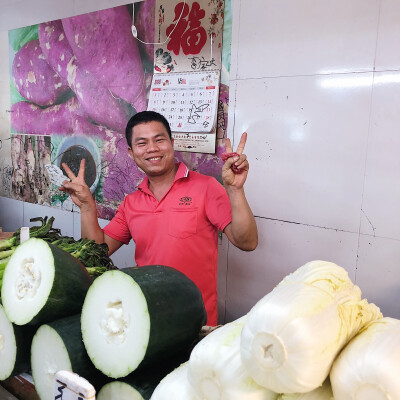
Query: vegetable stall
(134, 333)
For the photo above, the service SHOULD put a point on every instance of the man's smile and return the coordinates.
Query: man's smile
(154, 158)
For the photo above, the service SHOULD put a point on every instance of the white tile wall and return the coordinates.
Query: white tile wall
(387, 58)
(222, 277)
(378, 273)
(11, 214)
(236, 5)
(381, 203)
(283, 247)
(307, 139)
(323, 145)
(304, 37)
(323, 148)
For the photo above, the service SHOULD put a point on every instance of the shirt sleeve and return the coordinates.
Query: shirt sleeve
(217, 205)
(118, 228)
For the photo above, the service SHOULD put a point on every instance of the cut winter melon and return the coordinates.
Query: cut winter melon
(58, 346)
(121, 391)
(140, 385)
(15, 343)
(42, 282)
(137, 315)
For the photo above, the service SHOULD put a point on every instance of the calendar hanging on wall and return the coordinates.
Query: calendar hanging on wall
(189, 101)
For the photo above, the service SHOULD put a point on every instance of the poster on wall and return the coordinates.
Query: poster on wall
(74, 84)
(193, 40)
(30, 154)
(192, 43)
(189, 101)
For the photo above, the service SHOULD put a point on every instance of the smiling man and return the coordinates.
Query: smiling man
(175, 214)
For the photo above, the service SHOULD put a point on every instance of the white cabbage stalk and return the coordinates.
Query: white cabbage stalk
(292, 336)
(369, 366)
(216, 371)
(323, 274)
(324, 392)
(175, 386)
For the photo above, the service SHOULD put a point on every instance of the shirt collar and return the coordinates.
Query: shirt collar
(182, 172)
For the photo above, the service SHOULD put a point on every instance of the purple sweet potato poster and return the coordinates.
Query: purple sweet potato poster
(75, 82)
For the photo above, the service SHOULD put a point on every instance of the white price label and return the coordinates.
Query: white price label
(71, 386)
(55, 174)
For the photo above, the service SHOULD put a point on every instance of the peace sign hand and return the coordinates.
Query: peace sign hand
(77, 187)
(236, 167)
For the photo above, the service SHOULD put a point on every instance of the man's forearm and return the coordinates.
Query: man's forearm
(242, 231)
(90, 228)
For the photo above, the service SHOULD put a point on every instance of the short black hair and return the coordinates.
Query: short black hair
(142, 118)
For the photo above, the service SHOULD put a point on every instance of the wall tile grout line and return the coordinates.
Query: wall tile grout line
(370, 71)
(328, 228)
(362, 212)
(233, 142)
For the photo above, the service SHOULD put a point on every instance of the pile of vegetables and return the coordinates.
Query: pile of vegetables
(135, 325)
(279, 346)
(285, 347)
(134, 333)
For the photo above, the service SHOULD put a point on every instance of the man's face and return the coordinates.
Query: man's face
(152, 149)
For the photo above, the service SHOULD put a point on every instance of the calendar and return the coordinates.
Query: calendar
(188, 100)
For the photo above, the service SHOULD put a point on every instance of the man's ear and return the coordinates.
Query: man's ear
(172, 141)
(130, 152)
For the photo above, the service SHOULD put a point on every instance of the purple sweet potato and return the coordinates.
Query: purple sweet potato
(144, 22)
(55, 47)
(34, 78)
(31, 119)
(103, 43)
(96, 100)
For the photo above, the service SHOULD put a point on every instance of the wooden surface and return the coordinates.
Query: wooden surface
(20, 388)
(5, 395)
(5, 235)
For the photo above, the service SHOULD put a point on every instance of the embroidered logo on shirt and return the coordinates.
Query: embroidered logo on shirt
(185, 201)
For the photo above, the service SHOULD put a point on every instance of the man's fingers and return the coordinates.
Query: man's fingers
(228, 146)
(71, 187)
(67, 169)
(81, 173)
(242, 165)
(242, 143)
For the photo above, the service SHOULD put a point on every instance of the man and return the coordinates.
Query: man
(175, 214)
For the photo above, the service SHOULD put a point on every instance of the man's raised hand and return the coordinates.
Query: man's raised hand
(77, 187)
(236, 167)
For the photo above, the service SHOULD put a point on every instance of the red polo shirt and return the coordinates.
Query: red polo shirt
(180, 230)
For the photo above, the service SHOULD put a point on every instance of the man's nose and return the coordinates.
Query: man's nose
(152, 146)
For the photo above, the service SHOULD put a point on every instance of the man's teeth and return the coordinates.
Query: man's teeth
(154, 158)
